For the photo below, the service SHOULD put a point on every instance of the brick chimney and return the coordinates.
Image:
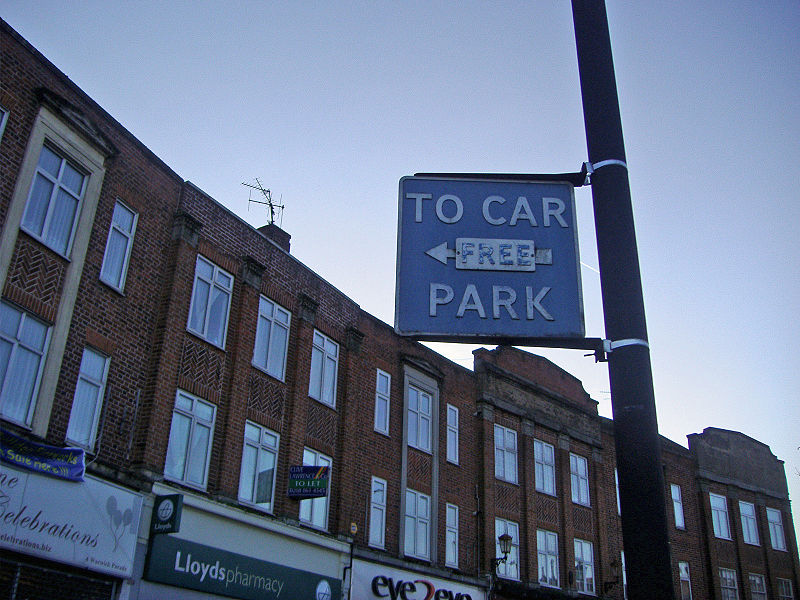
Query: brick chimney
(277, 235)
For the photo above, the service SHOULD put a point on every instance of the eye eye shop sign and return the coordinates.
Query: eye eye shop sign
(186, 564)
(480, 258)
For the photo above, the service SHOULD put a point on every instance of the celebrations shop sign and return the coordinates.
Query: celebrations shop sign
(199, 567)
(92, 524)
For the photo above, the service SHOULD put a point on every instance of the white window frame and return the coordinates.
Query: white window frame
(547, 558)
(677, 505)
(624, 575)
(505, 454)
(264, 443)
(747, 511)
(685, 577)
(544, 456)
(584, 563)
(452, 434)
(719, 516)
(117, 234)
(383, 401)
(510, 568)
(324, 369)
(21, 344)
(194, 409)
(777, 536)
(220, 283)
(729, 587)
(3, 120)
(377, 513)
(420, 429)
(579, 479)
(50, 219)
(417, 525)
(87, 403)
(758, 588)
(270, 349)
(451, 535)
(785, 591)
(314, 511)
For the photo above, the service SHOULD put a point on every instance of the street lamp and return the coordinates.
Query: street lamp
(505, 547)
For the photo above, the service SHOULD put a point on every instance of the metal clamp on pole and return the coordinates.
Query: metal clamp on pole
(609, 346)
(590, 168)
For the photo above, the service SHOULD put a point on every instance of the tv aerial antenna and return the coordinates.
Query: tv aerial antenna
(274, 207)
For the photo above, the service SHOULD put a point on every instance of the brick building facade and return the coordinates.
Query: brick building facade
(193, 361)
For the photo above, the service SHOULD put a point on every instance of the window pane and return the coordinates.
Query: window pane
(277, 352)
(61, 221)
(246, 482)
(49, 161)
(199, 304)
(123, 218)
(217, 317)
(178, 443)
(198, 453)
(36, 209)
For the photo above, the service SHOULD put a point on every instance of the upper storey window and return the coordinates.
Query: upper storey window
(23, 343)
(211, 301)
(118, 246)
(51, 212)
(324, 366)
(272, 338)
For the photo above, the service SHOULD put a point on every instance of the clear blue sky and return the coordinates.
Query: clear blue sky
(330, 103)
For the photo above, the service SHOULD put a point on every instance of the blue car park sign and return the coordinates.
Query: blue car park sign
(487, 260)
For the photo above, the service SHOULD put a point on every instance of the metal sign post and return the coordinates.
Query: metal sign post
(641, 480)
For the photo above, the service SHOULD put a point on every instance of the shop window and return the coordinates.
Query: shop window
(314, 511)
(324, 367)
(88, 401)
(584, 566)
(23, 343)
(211, 300)
(417, 531)
(383, 386)
(505, 454)
(272, 338)
(579, 479)
(259, 457)
(190, 436)
(118, 246)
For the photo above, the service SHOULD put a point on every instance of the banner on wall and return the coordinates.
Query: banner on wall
(91, 525)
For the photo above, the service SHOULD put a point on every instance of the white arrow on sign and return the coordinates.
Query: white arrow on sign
(493, 254)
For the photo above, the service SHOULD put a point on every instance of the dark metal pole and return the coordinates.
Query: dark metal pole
(641, 479)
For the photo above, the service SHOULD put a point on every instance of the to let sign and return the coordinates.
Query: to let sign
(487, 259)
